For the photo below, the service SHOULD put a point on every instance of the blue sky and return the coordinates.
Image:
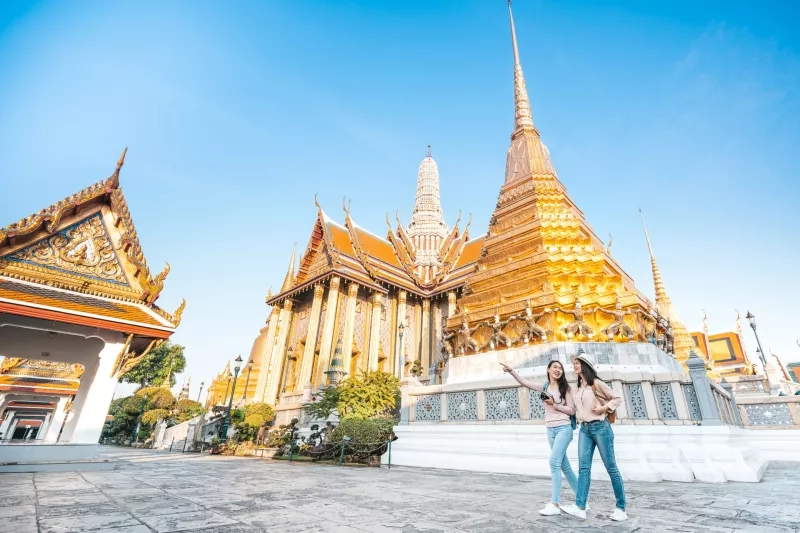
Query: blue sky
(237, 113)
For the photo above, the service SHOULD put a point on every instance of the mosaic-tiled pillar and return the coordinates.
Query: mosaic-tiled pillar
(327, 329)
(375, 332)
(401, 319)
(349, 323)
(307, 364)
(265, 367)
(279, 352)
(426, 336)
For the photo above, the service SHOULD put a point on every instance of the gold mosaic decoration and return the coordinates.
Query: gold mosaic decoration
(83, 248)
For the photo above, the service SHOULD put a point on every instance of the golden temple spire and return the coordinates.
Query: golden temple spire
(663, 303)
(289, 279)
(522, 106)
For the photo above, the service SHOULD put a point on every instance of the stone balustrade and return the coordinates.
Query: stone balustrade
(770, 412)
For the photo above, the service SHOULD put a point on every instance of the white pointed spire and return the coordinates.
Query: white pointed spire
(289, 279)
(427, 228)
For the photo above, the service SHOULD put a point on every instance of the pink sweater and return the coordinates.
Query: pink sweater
(586, 401)
(554, 415)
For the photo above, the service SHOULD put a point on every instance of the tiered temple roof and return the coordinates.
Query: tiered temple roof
(80, 262)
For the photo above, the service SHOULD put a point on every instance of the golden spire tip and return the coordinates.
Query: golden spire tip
(122, 159)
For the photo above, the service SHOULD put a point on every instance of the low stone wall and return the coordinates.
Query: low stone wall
(770, 412)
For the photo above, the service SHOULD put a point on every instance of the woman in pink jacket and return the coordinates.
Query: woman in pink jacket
(594, 400)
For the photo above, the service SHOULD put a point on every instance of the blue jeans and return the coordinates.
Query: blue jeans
(559, 438)
(599, 435)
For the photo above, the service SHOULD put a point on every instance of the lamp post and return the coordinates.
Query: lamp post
(400, 357)
(225, 425)
(201, 391)
(752, 319)
(227, 388)
(247, 381)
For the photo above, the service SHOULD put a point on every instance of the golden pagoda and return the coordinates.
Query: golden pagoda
(539, 274)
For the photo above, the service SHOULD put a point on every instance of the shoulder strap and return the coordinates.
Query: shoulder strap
(594, 390)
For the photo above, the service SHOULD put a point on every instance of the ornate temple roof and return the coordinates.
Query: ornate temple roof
(354, 253)
(726, 349)
(80, 261)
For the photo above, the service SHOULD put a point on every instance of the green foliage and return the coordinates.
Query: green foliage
(157, 397)
(364, 432)
(153, 416)
(166, 360)
(187, 409)
(237, 416)
(258, 414)
(325, 405)
(368, 395)
(282, 435)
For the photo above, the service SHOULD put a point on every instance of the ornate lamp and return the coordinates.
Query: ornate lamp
(401, 355)
(752, 319)
(225, 425)
(247, 381)
(201, 391)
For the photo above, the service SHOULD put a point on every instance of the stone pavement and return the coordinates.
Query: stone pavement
(164, 492)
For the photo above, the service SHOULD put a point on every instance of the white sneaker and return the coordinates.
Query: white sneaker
(575, 511)
(619, 515)
(550, 509)
(587, 506)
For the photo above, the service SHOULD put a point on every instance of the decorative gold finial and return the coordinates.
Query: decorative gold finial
(122, 159)
(610, 242)
(522, 106)
(316, 203)
(661, 292)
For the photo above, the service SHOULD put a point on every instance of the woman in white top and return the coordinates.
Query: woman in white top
(558, 408)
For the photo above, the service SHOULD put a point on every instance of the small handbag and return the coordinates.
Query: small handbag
(611, 416)
(573, 420)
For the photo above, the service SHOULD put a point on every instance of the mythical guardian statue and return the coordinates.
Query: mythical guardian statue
(497, 331)
(618, 327)
(578, 325)
(532, 330)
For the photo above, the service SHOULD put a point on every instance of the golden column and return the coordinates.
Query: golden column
(266, 357)
(327, 329)
(451, 304)
(401, 319)
(349, 323)
(307, 364)
(375, 332)
(279, 353)
(426, 336)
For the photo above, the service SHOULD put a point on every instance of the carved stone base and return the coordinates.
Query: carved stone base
(644, 453)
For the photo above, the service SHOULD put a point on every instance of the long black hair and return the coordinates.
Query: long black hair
(563, 386)
(588, 373)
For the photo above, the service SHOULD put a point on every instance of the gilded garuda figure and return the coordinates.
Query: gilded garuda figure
(533, 330)
(669, 339)
(618, 327)
(578, 325)
(463, 336)
(497, 331)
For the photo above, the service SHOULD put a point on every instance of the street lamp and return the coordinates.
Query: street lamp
(247, 381)
(400, 356)
(201, 391)
(225, 425)
(227, 388)
(752, 319)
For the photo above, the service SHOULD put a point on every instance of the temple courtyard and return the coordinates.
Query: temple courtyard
(164, 492)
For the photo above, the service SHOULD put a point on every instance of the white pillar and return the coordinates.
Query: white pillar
(93, 398)
(7, 425)
(307, 363)
(12, 428)
(44, 426)
(57, 420)
(426, 337)
(401, 319)
(279, 353)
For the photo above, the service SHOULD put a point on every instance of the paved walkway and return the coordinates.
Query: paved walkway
(165, 492)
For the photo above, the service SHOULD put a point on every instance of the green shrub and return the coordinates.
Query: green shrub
(364, 432)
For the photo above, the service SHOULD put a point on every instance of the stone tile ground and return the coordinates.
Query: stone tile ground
(164, 492)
